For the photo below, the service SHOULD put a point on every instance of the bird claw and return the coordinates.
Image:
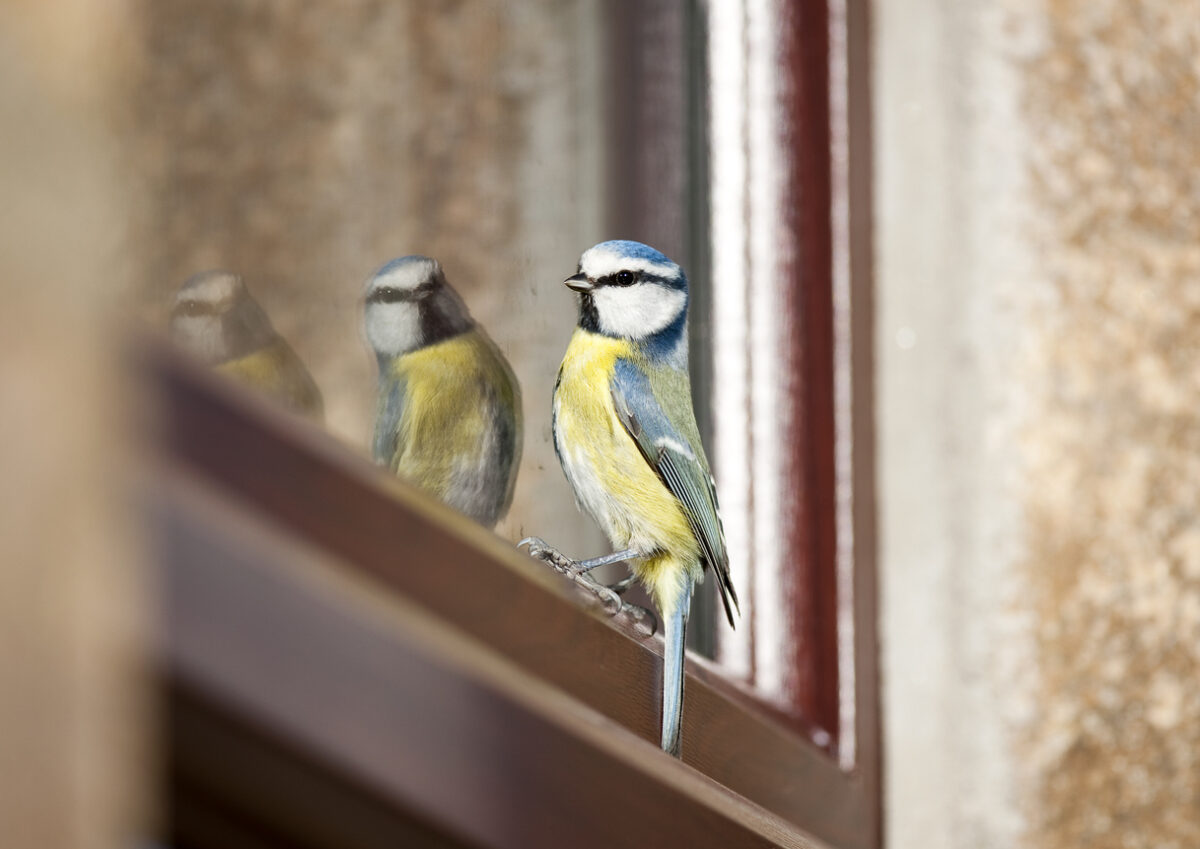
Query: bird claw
(609, 596)
(625, 583)
(539, 549)
(611, 601)
(644, 620)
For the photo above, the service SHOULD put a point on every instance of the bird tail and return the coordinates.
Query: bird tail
(674, 630)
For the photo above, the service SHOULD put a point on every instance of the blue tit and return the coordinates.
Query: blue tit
(625, 433)
(216, 319)
(449, 418)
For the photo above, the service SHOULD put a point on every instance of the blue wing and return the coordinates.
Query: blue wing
(387, 421)
(677, 459)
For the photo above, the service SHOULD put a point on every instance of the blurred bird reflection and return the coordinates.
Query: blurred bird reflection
(449, 417)
(216, 319)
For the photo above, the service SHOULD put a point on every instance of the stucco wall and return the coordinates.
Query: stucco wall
(1113, 495)
(1038, 250)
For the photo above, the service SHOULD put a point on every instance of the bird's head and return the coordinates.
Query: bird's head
(215, 317)
(630, 290)
(409, 305)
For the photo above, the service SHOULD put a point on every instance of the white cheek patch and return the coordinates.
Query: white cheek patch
(637, 311)
(201, 335)
(393, 329)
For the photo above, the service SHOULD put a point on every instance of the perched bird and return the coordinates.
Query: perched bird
(216, 319)
(625, 433)
(449, 418)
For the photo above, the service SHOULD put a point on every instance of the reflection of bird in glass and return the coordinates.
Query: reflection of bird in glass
(449, 415)
(626, 436)
(217, 320)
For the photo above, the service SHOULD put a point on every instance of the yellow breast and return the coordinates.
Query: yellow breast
(611, 478)
(453, 390)
(276, 371)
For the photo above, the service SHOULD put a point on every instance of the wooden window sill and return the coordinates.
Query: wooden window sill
(431, 665)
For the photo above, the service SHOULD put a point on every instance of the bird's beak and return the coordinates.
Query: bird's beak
(579, 282)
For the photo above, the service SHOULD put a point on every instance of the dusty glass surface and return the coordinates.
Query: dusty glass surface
(300, 152)
(279, 159)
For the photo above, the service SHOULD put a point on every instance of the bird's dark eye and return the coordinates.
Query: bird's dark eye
(626, 278)
(191, 308)
(388, 295)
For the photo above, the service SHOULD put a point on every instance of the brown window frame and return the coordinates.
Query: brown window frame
(770, 214)
(802, 462)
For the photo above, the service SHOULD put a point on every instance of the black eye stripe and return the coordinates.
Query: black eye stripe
(388, 295)
(392, 295)
(195, 308)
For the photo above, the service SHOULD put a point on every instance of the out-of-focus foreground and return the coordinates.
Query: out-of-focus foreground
(73, 729)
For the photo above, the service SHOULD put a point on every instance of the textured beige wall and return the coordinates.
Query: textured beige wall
(1113, 502)
(73, 771)
(305, 148)
(1039, 334)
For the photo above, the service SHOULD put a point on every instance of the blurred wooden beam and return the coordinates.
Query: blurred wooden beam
(415, 551)
(73, 707)
(387, 698)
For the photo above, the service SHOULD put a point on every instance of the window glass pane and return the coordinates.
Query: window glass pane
(301, 149)
(296, 152)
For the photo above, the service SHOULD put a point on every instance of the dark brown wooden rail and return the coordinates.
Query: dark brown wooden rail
(362, 626)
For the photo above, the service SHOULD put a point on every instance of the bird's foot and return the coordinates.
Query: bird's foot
(625, 583)
(644, 620)
(539, 549)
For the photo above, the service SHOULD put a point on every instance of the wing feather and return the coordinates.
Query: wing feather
(679, 464)
(387, 423)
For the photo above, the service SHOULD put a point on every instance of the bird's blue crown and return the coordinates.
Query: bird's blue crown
(634, 250)
(401, 262)
(640, 257)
